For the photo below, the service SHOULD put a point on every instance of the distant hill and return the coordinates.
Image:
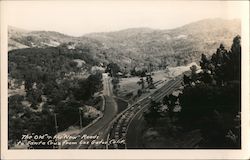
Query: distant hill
(139, 46)
(186, 42)
(19, 38)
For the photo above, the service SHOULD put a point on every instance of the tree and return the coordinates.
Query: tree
(142, 83)
(87, 87)
(204, 62)
(153, 114)
(149, 80)
(67, 113)
(212, 107)
(43, 71)
(186, 80)
(113, 69)
(235, 55)
(170, 101)
(194, 76)
(139, 93)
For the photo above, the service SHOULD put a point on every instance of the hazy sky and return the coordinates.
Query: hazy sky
(80, 17)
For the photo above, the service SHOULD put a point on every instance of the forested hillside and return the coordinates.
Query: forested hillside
(55, 81)
(137, 46)
(206, 112)
(211, 100)
(53, 76)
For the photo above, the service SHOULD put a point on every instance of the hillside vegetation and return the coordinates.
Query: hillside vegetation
(140, 46)
(53, 90)
(206, 112)
(59, 75)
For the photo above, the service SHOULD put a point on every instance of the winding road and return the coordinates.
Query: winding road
(99, 127)
(127, 125)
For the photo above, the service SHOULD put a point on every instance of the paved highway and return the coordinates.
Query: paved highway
(109, 113)
(126, 125)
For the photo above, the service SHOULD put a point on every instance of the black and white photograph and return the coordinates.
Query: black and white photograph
(125, 75)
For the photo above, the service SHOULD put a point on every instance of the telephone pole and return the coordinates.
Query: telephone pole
(56, 126)
(80, 114)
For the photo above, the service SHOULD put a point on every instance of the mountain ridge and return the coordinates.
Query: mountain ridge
(135, 46)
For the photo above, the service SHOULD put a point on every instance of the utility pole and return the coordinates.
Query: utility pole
(56, 126)
(150, 68)
(80, 114)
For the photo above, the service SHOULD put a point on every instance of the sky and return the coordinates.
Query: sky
(80, 17)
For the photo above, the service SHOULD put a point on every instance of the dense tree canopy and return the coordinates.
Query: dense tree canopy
(210, 102)
(213, 101)
(49, 91)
